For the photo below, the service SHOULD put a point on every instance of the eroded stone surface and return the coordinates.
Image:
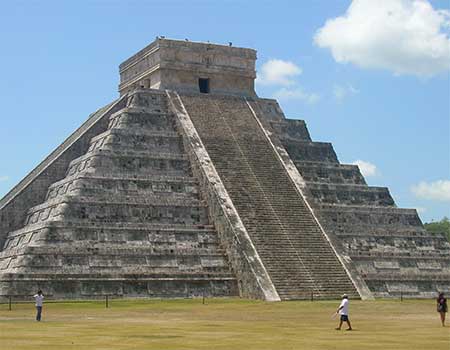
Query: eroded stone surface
(214, 192)
(279, 222)
(128, 219)
(387, 245)
(178, 65)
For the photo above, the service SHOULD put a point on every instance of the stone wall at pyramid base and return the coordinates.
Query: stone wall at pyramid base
(21, 287)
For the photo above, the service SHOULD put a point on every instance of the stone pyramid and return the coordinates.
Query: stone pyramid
(189, 185)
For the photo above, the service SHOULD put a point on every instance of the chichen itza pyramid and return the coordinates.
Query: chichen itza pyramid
(190, 184)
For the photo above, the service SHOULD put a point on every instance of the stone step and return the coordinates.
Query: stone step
(307, 296)
(290, 129)
(138, 139)
(300, 151)
(135, 195)
(350, 194)
(334, 173)
(106, 162)
(157, 241)
(181, 275)
(394, 276)
(126, 177)
(386, 231)
(342, 218)
(110, 249)
(175, 273)
(105, 200)
(121, 232)
(128, 153)
(124, 186)
(157, 146)
(88, 265)
(399, 244)
(270, 207)
(436, 254)
(170, 133)
(158, 121)
(181, 213)
(119, 226)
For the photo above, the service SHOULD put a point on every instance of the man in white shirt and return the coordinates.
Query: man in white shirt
(343, 311)
(39, 298)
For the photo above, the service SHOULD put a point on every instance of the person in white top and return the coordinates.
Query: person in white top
(343, 311)
(39, 298)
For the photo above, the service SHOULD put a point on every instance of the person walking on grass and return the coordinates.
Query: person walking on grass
(343, 312)
(39, 298)
(442, 308)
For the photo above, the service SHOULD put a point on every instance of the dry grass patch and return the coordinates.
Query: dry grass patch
(223, 324)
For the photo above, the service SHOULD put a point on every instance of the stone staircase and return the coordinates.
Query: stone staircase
(127, 220)
(296, 254)
(388, 245)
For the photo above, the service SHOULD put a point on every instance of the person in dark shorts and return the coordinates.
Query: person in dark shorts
(343, 312)
(442, 308)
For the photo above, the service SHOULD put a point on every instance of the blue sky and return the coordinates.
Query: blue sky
(373, 81)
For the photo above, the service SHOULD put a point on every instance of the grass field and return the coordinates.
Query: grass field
(223, 324)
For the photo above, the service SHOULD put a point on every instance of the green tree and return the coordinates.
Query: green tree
(442, 226)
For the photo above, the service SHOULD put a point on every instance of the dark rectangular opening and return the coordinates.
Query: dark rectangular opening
(203, 85)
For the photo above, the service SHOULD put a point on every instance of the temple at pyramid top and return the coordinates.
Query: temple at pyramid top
(190, 67)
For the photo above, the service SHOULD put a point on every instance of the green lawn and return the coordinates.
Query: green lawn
(223, 324)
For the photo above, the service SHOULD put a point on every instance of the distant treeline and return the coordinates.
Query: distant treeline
(442, 226)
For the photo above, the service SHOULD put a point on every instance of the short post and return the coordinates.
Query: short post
(106, 301)
(312, 296)
(203, 297)
(10, 302)
(401, 295)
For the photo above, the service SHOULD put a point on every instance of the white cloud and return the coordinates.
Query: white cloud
(367, 169)
(403, 36)
(438, 190)
(278, 72)
(340, 92)
(296, 94)
(4, 178)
